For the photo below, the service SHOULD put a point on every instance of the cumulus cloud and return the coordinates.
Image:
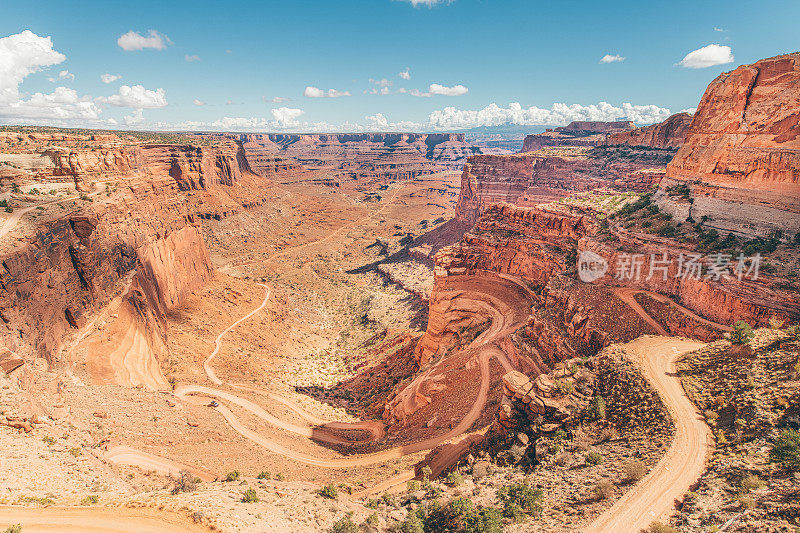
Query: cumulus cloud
(286, 116)
(383, 82)
(135, 118)
(608, 58)
(708, 56)
(436, 89)
(559, 114)
(63, 75)
(198, 102)
(313, 92)
(406, 75)
(23, 54)
(109, 78)
(190, 59)
(276, 99)
(133, 41)
(136, 97)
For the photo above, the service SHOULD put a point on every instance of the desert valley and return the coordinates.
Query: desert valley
(591, 328)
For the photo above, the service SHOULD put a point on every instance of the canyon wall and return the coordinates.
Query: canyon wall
(741, 158)
(123, 255)
(538, 177)
(577, 133)
(669, 134)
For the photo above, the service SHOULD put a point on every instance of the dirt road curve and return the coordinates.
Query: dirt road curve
(653, 497)
(95, 520)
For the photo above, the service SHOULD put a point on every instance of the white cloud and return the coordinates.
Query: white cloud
(136, 97)
(135, 118)
(198, 102)
(190, 59)
(313, 92)
(559, 114)
(608, 58)
(436, 89)
(719, 29)
(277, 99)
(133, 41)
(286, 116)
(23, 54)
(63, 75)
(383, 82)
(708, 56)
(406, 75)
(109, 78)
(690, 110)
(428, 3)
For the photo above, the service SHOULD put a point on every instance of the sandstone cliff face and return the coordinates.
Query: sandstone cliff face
(741, 158)
(539, 177)
(666, 135)
(386, 154)
(578, 133)
(121, 257)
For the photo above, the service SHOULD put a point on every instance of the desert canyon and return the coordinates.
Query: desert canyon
(407, 332)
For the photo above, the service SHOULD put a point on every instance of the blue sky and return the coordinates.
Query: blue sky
(481, 56)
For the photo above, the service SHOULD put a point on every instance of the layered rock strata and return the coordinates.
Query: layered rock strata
(740, 164)
(666, 135)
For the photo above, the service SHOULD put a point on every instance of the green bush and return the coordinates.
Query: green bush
(90, 500)
(329, 491)
(520, 501)
(741, 334)
(249, 496)
(16, 528)
(634, 470)
(593, 458)
(786, 451)
(454, 479)
(263, 475)
(344, 525)
(232, 476)
(597, 410)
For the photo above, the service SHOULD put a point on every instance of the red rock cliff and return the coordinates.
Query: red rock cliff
(741, 158)
(665, 135)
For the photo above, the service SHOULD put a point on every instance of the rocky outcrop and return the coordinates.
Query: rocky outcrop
(741, 158)
(578, 133)
(540, 177)
(383, 154)
(669, 134)
(194, 167)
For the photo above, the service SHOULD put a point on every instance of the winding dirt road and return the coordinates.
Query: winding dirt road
(653, 498)
(95, 520)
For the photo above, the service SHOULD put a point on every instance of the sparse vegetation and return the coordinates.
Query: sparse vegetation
(658, 527)
(74, 452)
(263, 475)
(634, 470)
(16, 528)
(186, 482)
(520, 501)
(92, 499)
(345, 525)
(603, 490)
(786, 451)
(751, 482)
(232, 476)
(454, 479)
(593, 458)
(741, 334)
(250, 496)
(329, 491)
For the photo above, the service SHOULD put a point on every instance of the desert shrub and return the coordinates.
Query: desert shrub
(329, 491)
(460, 515)
(47, 439)
(412, 485)
(249, 496)
(658, 527)
(593, 458)
(344, 525)
(454, 479)
(486, 520)
(634, 470)
(786, 451)
(413, 523)
(597, 410)
(90, 500)
(741, 334)
(16, 528)
(390, 500)
(775, 323)
(520, 501)
(263, 475)
(74, 452)
(710, 415)
(186, 482)
(232, 476)
(751, 482)
(747, 502)
(372, 520)
(603, 490)
(279, 477)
